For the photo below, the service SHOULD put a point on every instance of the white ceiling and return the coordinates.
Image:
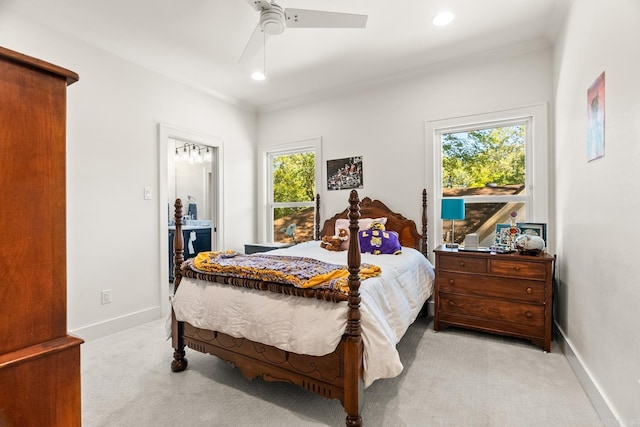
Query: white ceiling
(200, 42)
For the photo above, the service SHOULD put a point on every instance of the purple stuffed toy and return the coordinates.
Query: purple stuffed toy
(376, 240)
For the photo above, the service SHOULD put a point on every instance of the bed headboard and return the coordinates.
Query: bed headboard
(406, 228)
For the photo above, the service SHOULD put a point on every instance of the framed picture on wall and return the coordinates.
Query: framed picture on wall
(595, 119)
(534, 229)
(343, 174)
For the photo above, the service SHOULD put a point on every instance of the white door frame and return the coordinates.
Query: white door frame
(166, 133)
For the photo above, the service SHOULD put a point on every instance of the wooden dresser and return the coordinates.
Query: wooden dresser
(509, 294)
(39, 361)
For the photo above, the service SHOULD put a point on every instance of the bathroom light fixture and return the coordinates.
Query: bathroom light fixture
(185, 153)
(208, 156)
(442, 19)
(193, 153)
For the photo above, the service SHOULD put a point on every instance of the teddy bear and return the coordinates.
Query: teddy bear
(332, 243)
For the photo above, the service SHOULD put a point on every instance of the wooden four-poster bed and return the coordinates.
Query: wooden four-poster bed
(337, 374)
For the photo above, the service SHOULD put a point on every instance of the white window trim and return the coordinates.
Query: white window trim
(536, 163)
(265, 189)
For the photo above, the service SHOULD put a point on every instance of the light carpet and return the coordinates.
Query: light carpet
(450, 378)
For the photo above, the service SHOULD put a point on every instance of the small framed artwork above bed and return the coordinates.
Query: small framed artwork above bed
(346, 293)
(345, 174)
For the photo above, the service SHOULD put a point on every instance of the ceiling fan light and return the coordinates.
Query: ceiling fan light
(442, 19)
(258, 75)
(272, 21)
(272, 27)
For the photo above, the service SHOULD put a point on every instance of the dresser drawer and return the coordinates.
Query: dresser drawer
(491, 309)
(495, 287)
(514, 268)
(462, 263)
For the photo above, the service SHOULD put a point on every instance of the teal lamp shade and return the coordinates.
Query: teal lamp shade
(452, 209)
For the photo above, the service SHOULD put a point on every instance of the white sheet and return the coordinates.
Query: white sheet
(390, 303)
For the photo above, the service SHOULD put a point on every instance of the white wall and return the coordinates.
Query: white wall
(112, 150)
(596, 202)
(386, 123)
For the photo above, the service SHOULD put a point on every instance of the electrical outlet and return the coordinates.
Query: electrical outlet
(106, 296)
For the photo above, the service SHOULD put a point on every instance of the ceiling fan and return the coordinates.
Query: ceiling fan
(274, 19)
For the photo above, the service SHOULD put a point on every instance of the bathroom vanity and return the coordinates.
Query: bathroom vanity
(197, 238)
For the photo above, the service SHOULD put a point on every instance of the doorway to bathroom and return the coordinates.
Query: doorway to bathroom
(191, 170)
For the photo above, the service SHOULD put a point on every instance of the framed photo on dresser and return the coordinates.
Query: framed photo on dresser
(534, 229)
(502, 234)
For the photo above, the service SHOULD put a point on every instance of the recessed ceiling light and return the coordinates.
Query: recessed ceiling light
(258, 75)
(443, 18)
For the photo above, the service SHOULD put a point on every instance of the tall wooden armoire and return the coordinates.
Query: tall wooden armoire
(39, 361)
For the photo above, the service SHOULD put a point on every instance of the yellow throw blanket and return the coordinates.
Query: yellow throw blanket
(297, 271)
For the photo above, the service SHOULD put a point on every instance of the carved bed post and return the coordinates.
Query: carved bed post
(353, 344)
(317, 233)
(425, 236)
(179, 362)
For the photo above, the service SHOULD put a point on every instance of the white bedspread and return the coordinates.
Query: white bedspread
(390, 303)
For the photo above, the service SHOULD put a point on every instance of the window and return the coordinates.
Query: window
(488, 161)
(486, 167)
(291, 173)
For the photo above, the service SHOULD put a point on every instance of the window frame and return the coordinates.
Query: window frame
(536, 197)
(266, 203)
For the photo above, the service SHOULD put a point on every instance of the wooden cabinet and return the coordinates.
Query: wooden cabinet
(509, 294)
(39, 361)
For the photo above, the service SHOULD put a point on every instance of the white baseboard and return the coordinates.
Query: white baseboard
(111, 326)
(591, 388)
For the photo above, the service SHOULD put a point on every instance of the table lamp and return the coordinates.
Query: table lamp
(452, 209)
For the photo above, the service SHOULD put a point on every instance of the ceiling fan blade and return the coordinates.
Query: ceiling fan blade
(303, 18)
(256, 42)
(259, 4)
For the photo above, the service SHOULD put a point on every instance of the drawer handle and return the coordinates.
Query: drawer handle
(528, 314)
(451, 303)
(461, 263)
(516, 268)
(451, 281)
(529, 291)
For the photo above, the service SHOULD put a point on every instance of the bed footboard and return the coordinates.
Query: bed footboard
(320, 374)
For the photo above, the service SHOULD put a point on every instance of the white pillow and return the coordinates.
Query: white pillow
(363, 224)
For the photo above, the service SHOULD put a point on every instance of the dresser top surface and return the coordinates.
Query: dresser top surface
(544, 256)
